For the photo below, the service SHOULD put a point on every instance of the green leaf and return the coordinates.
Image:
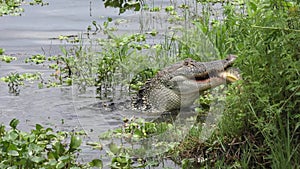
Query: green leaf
(13, 123)
(37, 159)
(52, 162)
(60, 165)
(114, 148)
(59, 148)
(75, 143)
(64, 51)
(96, 163)
(13, 153)
(169, 8)
(38, 127)
(12, 135)
(1, 51)
(64, 158)
(95, 145)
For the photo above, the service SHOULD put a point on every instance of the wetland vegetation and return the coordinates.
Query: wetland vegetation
(13, 7)
(259, 126)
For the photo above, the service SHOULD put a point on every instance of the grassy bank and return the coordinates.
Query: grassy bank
(260, 127)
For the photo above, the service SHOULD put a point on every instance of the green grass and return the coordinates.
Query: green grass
(262, 110)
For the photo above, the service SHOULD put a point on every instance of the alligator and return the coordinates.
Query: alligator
(179, 85)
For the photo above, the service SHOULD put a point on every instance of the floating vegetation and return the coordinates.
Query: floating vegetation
(37, 59)
(15, 80)
(38, 2)
(40, 148)
(7, 59)
(13, 7)
(123, 5)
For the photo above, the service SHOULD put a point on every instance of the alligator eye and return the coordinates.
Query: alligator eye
(231, 57)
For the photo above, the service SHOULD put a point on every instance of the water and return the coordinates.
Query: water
(62, 108)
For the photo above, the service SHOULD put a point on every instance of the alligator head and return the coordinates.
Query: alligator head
(179, 85)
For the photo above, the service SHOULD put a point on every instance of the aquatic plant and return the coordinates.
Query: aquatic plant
(13, 7)
(14, 80)
(134, 152)
(37, 59)
(2, 51)
(40, 148)
(123, 5)
(38, 2)
(7, 59)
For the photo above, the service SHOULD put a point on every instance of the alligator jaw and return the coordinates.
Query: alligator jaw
(230, 75)
(188, 85)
